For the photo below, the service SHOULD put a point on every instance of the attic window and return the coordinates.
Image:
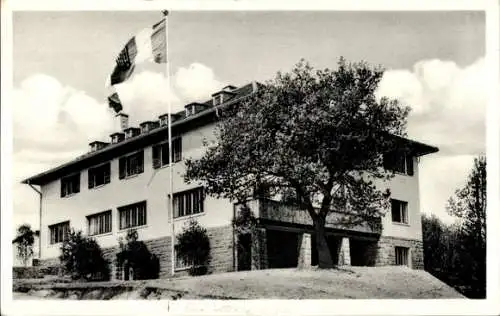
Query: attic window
(218, 99)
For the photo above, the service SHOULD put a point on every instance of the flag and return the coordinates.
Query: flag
(115, 103)
(150, 44)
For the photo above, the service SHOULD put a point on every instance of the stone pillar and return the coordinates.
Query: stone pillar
(304, 251)
(344, 252)
(259, 249)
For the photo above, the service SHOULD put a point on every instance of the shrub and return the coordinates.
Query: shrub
(134, 255)
(193, 247)
(82, 258)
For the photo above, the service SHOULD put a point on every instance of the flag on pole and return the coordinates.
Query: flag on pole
(149, 45)
(115, 103)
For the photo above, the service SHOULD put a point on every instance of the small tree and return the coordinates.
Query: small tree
(193, 247)
(134, 255)
(24, 241)
(82, 257)
(321, 134)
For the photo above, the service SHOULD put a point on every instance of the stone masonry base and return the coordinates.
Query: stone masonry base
(386, 251)
(221, 249)
(380, 252)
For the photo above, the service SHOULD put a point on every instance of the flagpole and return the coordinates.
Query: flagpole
(170, 151)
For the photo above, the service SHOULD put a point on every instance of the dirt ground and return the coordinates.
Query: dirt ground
(342, 283)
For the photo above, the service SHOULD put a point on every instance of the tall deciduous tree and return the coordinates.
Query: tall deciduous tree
(469, 205)
(319, 133)
(25, 238)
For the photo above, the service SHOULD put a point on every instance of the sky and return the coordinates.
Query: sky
(434, 63)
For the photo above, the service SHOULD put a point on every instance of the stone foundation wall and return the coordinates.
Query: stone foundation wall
(221, 249)
(386, 252)
(221, 243)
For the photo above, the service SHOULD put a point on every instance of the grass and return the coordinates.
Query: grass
(342, 283)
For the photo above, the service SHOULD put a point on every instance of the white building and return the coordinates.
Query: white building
(125, 184)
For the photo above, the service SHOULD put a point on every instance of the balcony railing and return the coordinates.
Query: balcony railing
(280, 212)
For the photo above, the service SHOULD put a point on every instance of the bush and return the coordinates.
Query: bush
(193, 247)
(134, 255)
(82, 258)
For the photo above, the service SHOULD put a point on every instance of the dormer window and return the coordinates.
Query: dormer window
(117, 137)
(164, 118)
(94, 146)
(131, 132)
(222, 96)
(194, 107)
(148, 126)
(189, 110)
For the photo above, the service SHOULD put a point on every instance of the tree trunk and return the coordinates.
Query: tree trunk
(324, 257)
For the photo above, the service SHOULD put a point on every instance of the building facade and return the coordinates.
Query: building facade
(124, 184)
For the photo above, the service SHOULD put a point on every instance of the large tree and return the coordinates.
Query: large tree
(469, 205)
(320, 134)
(25, 238)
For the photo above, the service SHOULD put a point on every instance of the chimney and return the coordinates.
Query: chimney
(96, 145)
(121, 121)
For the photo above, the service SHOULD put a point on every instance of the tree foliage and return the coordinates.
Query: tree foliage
(134, 255)
(25, 238)
(82, 257)
(193, 247)
(318, 133)
(469, 206)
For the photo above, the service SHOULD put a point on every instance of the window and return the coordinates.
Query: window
(161, 154)
(179, 263)
(58, 232)
(70, 185)
(99, 223)
(188, 202)
(132, 215)
(99, 175)
(131, 165)
(399, 162)
(401, 256)
(399, 211)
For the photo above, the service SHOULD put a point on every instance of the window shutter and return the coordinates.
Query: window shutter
(107, 173)
(409, 165)
(77, 183)
(121, 166)
(156, 157)
(140, 162)
(177, 147)
(63, 188)
(91, 178)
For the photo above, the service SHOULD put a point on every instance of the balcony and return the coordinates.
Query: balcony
(271, 211)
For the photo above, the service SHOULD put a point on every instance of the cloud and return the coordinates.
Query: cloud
(53, 123)
(144, 96)
(196, 82)
(448, 103)
(448, 110)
